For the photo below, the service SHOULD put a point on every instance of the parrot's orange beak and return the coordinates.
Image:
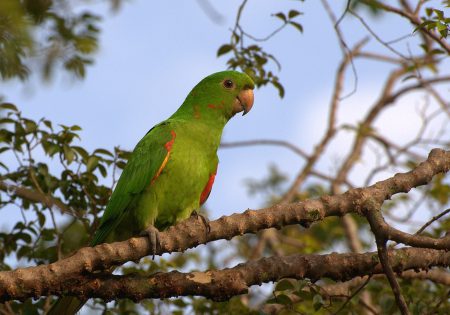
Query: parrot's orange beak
(244, 102)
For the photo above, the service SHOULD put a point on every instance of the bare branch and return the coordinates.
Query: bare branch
(220, 285)
(280, 143)
(35, 196)
(433, 219)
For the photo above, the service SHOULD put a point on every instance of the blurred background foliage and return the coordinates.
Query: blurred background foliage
(53, 174)
(43, 35)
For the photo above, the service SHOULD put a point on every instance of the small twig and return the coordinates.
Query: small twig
(353, 295)
(345, 49)
(211, 12)
(266, 38)
(347, 8)
(280, 143)
(386, 44)
(437, 217)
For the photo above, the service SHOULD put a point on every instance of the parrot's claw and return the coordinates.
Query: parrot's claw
(153, 237)
(204, 219)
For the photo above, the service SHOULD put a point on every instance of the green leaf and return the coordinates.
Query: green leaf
(439, 14)
(298, 26)
(4, 166)
(283, 299)
(82, 152)
(281, 16)
(41, 218)
(91, 163)
(224, 49)
(6, 121)
(51, 149)
(9, 106)
(409, 77)
(69, 154)
(103, 151)
(437, 51)
(293, 13)
(48, 123)
(102, 170)
(75, 128)
(48, 234)
(279, 87)
(317, 302)
(30, 126)
(24, 251)
(441, 26)
(424, 24)
(24, 236)
(285, 284)
(86, 45)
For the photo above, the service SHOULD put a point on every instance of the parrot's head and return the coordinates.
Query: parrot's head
(222, 95)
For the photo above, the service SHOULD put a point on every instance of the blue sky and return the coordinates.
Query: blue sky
(153, 52)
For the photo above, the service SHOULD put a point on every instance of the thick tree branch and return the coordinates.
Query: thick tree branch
(35, 281)
(220, 285)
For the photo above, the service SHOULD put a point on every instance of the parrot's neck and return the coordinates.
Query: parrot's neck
(209, 111)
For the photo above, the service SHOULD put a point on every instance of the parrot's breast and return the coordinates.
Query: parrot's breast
(185, 181)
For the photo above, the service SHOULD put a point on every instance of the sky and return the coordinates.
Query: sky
(153, 52)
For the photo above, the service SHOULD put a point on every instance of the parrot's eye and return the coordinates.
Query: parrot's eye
(228, 84)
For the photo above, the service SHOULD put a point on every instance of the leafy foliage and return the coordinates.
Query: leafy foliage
(46, 30)
(253, 59)
(435, 20)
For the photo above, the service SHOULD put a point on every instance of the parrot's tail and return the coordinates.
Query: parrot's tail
(67, 305)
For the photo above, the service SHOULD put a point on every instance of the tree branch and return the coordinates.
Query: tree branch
(220, 285)
(35, 281)
(414, 19)
(35, 196)
(381, 240)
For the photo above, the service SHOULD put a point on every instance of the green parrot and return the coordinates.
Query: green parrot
(172, 169)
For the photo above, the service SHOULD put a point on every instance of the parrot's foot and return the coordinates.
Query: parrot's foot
(153, 237)
(204, 219)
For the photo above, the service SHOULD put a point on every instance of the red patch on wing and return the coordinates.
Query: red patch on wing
(207, 190)
(169, 143)
(168, 147)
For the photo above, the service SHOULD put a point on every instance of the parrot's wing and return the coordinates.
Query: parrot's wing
(145, 164)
